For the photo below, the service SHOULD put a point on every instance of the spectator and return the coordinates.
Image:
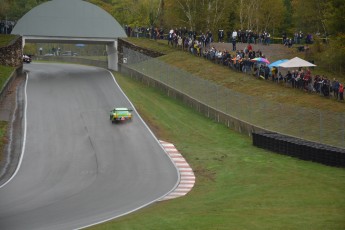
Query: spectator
(296, 37)
(267, 72)
(234, 35)
(284, 38)
(233, 44)
(300, 37)
(179, 42)
(341, 91)
(309, 39)
(241, 60)
(274, 73)
(288, 77)
(268, 39)
(249, 48)
(335, 88)
(280, 77)
(170, 37)
(220, 35)
(325, 87)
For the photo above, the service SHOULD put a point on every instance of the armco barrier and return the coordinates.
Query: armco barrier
(302, 149)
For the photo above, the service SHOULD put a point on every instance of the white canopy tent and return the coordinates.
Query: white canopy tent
(295, 63)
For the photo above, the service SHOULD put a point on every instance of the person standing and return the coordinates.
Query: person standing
(234, 35)
(341, 91)
(335, 88)
(234, 38)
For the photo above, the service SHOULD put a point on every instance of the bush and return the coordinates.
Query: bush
(331, 55)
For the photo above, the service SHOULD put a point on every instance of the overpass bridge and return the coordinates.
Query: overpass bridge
(71, 22)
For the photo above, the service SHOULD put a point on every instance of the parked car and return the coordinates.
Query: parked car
(26, 58)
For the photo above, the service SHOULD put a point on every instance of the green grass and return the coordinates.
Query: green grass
(237, 186)
(5, 39)
(3, 137)
(5, 73)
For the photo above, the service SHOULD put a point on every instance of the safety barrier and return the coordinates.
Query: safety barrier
(302, 149)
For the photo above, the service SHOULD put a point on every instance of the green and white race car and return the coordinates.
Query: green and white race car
(120, 114)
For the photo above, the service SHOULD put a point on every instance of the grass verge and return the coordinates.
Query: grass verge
(3, 137)
(5, 73)
(5, 39)
(246, 84)
(238, 186)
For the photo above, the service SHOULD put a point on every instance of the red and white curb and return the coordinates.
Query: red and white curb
(187, 178)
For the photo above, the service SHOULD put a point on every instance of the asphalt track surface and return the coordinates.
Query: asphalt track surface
(77, 168)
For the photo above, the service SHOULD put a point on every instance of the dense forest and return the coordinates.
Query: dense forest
(321, 18)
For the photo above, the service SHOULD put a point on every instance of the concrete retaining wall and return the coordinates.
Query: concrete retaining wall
(122, 43)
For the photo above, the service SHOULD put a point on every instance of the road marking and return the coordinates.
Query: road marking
(187, 177)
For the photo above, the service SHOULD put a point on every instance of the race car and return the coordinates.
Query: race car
(120, 114)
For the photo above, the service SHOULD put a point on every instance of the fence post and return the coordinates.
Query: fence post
(217, 97)
(343, 125)
(226, 101)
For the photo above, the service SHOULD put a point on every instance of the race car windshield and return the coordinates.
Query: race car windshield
(123, 112)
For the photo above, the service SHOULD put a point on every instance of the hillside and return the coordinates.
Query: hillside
(245, 83)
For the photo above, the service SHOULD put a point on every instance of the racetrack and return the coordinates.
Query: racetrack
(77, 167)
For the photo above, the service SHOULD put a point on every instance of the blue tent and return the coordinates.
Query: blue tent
(277, 63)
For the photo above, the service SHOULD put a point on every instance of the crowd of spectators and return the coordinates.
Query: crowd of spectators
(242, 60)
(159, 33)
(6, 26)
(302, 79)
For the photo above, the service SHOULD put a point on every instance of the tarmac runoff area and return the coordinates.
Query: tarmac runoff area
(187, 177)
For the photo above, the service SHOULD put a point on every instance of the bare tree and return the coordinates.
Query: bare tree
(189, 8)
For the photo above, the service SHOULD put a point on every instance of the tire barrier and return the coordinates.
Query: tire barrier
(298, 148)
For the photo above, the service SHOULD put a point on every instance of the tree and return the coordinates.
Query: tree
(310, 15)
(287, 23)
(4, 8)
(335, 17)
(155, 12)
(271, 15)
(189, 9)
